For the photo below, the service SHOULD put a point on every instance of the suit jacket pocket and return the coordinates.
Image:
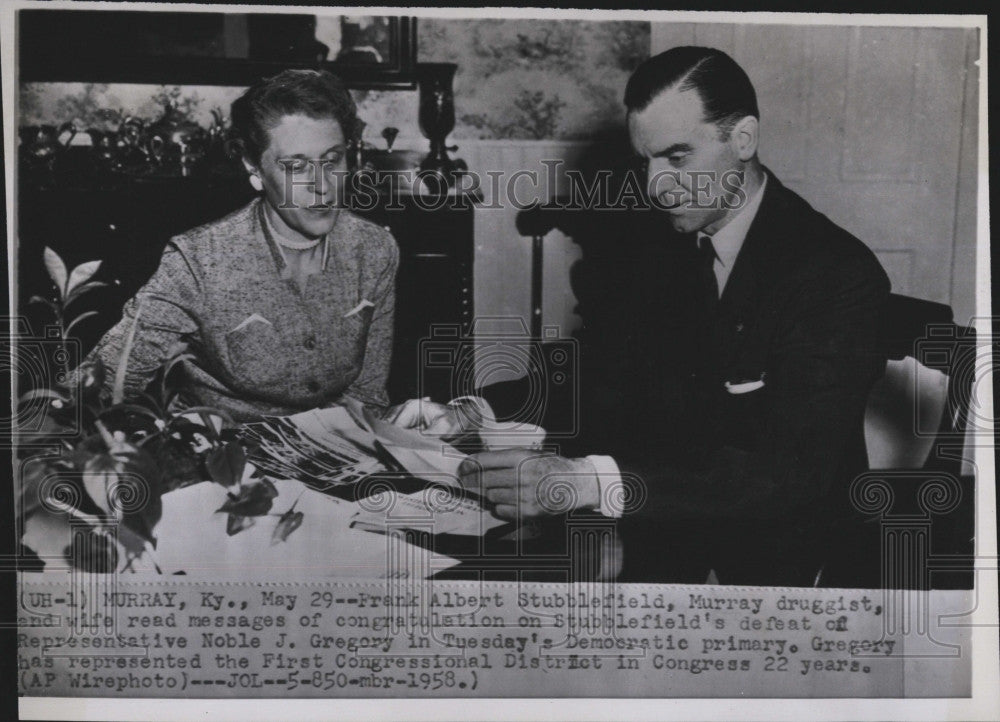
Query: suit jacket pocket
(255, 355)
(746, 417)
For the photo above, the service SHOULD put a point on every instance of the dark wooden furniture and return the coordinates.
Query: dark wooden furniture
(434, 284)
(203, 48)
(127, 221)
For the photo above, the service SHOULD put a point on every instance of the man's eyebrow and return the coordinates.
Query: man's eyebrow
(675, 148)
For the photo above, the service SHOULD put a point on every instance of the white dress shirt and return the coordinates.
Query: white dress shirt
(727, 242)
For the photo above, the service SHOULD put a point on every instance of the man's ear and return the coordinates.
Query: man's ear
(745, 137)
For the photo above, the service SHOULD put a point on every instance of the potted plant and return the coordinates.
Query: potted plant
(94, 466)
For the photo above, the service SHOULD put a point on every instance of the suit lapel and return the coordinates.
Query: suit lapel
(743, 318)
(760, 246)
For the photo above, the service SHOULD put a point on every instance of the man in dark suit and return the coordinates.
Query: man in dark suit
(725, 381)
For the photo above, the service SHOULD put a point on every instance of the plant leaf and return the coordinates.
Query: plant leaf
(96, 554)
(171, 396)
(82, 289)
(42, 394)
(152, 403)
(206, 421)
(81, 274)
(106, 436)
(29, 490)
(146, 483)
(136, 409)
(205, 413)
(226, 463)
(118, 392)
(79, 318)
(133, 540)
(174, 360)
(90, 379)
(253, 500)
(57, 270)
(289, 522)
(174, 456)
(167, 367)
(47, 301)
(51, 431)
(99, 473)
(236, 523)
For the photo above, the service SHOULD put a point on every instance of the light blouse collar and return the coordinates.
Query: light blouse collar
(277, 246)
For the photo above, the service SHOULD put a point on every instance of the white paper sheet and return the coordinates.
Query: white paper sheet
(191, 538)
(432, 510)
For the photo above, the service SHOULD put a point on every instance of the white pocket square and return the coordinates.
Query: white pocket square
(745, 387)
(251, 319)
(365, 303)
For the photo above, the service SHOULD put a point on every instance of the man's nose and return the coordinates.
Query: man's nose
(661, 180)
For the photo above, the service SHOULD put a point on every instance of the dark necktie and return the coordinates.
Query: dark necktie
(708, 283)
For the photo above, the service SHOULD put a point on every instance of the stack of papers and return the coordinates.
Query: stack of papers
(309, 447)
(344, 444)
(330, 448)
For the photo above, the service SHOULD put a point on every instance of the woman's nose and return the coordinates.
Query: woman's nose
(326, 177)
(319, 185)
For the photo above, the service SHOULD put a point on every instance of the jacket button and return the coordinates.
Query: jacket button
(313, 386)
(310, 343)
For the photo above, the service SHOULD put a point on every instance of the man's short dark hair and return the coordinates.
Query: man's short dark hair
(725, 90)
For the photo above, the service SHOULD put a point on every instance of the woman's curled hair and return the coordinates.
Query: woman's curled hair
(313, 93)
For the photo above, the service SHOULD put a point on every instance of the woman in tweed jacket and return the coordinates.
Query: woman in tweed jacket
(287, 303)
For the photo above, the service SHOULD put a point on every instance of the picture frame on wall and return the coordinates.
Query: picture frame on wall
(211, 48)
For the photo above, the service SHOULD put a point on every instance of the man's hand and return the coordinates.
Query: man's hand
(525, 484)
